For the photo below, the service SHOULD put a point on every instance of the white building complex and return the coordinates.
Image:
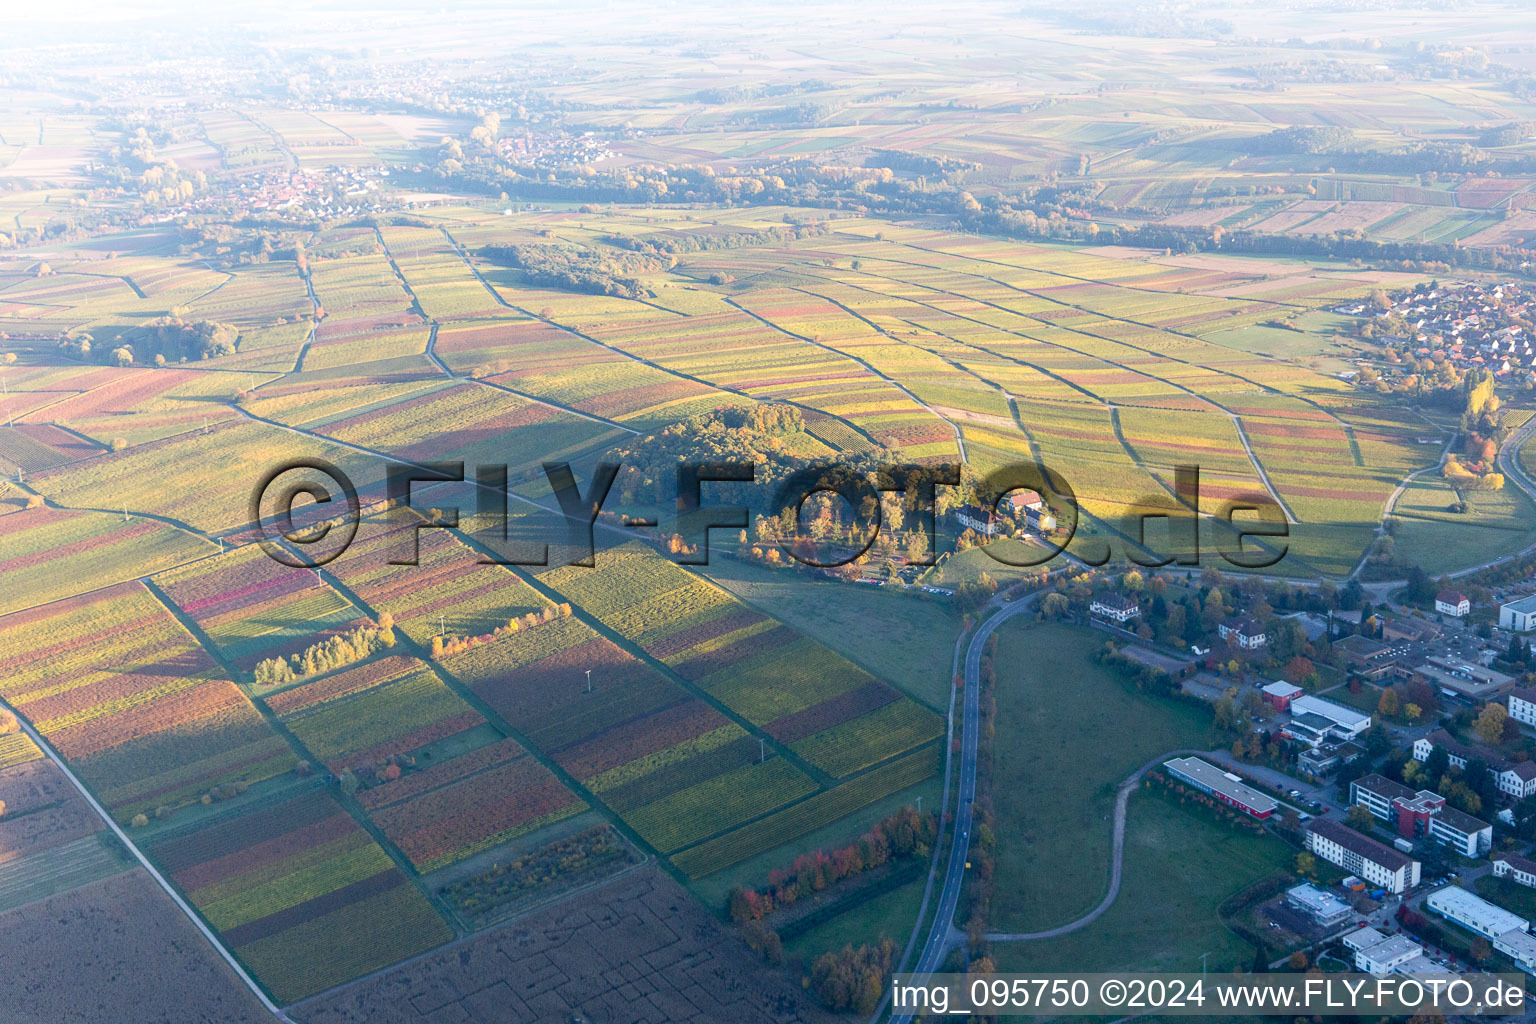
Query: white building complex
(1347, 722)
(1509, 932)
(1518, 615)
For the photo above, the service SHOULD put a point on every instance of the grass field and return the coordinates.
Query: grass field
(1179, 867)
(1054, 792)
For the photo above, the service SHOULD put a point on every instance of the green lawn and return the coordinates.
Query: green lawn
(1438, 540)
(904, 639)
(1179, 867)
(1068, 733)
(1507, 893)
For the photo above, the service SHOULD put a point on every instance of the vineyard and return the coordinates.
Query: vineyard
(301, 895)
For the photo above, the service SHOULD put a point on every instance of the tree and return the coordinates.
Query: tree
(1298, 961)
(1436, 765)
(1360, 819)
(1412, 712)
(1387, 706)
(1490, 723)
(1306, 864)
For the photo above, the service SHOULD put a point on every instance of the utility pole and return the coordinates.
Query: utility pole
(762, 750)
(442, 629)
(589, 680)
(1202, 963)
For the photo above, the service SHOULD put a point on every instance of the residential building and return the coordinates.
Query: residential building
(1521, 869)
(1347, 722)
(1453, 603)
(1518, 615)
(1040, 520)
(1324, 908)
(1468, 836)
(1115, 607)
(1376, 793)
(1246, 633)
(1378, 864)
(1387, 955)
(1474, 913)
(1522, 705)
(1280, 694)
(1517, 779)
(1423, 813)
(1023, 501)
(1224, 786)
(1463, 678)
(973, 517)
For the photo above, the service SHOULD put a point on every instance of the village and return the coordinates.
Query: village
(1471, 326)
(1391, 745)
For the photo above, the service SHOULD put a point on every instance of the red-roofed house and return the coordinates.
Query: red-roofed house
(1452, 602)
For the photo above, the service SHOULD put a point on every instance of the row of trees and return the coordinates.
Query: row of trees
(331, 653)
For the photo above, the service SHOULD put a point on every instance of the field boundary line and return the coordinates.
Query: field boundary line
(154, 872)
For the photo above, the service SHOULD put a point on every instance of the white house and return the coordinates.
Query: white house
(979, 519)
(1517, 778)
(1246, 633)
(1361, 855)
(1453, 603)
(1115, 607)
(1518, 615)
(1522, 705)
(1510, 865)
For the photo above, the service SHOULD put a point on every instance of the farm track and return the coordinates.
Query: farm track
(154, 873)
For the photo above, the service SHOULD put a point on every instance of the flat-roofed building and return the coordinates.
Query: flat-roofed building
(1224, 786)
(1347, 722)
(1324, 908)
(1518, 615)
(1387, 955)
(1280, 694)
(1464, 678)
(1474, 913)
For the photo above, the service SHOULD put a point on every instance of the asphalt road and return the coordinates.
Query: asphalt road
(944, 936)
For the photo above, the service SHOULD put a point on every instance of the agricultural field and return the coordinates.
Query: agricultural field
(100, 952)
(686, 968)
(253, 607)
(438, 778)
(301, 894)
(124, 693)
(99, 549)
(823, 708)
